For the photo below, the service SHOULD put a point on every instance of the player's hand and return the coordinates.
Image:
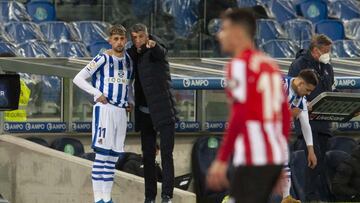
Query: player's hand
(312, 160)
(216, 178)
(150, 44)
(357, 114)
(129, 108)
(295, 112)
(102, 99)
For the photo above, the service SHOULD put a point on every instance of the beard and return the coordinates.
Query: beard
(119, 49)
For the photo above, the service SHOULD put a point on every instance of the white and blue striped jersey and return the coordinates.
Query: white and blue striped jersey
(295, 101)
(113, 76)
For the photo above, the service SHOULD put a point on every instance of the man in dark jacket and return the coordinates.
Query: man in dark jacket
(317, 58)
(154, 109)
(346, 182)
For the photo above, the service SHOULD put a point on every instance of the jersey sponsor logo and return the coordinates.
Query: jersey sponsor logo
(117, 80)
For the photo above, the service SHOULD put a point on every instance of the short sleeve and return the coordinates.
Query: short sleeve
(95, 64)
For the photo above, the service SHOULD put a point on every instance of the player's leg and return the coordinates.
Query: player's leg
(116, 138)
(167, 134)
(254, 183)
(148, 145)
(98, 165)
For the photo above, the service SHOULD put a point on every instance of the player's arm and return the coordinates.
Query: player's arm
(307, 133)
(80, 79)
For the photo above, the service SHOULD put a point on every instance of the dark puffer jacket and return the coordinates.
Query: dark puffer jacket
(346, 182)
(153, 86)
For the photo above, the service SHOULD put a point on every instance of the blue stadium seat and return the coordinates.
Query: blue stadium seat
(91, 31)
(58, 31)
(268, 29)
(282, 48)
(98, 47)
(314, 10)
(298, 166)
(346, 48)
(298, 29)
(333, 159)
(283, 10)
(6, 47)
(334, 29)
(13, 11)
(341, 143)
(186, 17)
(41, 11)
(345, 10)
(247, 3)
(353, 29)
(142, 8)
(35, 48)
(305, 44)
(23, 31)
(69, 49)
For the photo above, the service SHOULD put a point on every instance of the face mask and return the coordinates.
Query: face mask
(324, 58)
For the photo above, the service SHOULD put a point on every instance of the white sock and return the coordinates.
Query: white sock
(287, 182)
(97, 177)
(109, 173)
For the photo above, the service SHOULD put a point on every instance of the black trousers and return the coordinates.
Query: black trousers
(148, 144)
(254, 184)
(314, 177)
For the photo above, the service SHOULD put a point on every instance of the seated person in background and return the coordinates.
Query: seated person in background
(134, 165)
(346, 182)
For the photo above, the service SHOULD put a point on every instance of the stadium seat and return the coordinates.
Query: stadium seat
(268, 29)
(314, 10)
(38, 140)
(98, 47)
(8, 48)
(345, 10)
(13, 11)
(69, 49)
(346, 48)
(298, 165)
(298, 29)
(91, 31)
(280, 48)
(305, 44)
(58, 31)
(282, 10)
(333, 159)
(68, 145)
(203, 153)
(22, 31)
(352, 28)
(35, 48)
(334, 29)
(341, 143)
(142, 8)
(89, 156)
(185, 13)
(41, 11)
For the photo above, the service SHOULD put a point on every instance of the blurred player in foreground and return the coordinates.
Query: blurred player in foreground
(260, 119)
(296, 89)
(112, 88)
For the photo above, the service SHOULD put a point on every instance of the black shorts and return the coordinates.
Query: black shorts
(254, 184)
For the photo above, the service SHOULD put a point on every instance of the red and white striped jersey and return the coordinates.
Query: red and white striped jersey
(260, 119)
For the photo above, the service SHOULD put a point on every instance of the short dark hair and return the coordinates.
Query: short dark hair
(319, 41)
(309, 76)
(242, 16)
(117, 30)
(139, 27)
